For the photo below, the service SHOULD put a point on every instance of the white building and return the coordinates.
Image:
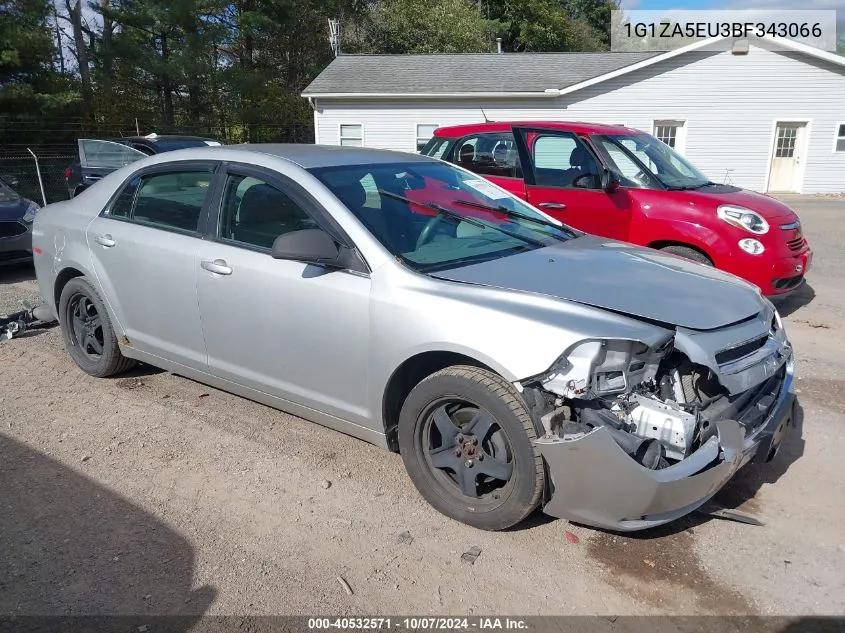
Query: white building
(765, 117)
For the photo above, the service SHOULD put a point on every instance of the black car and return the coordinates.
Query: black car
(16, 216)
(98, 158)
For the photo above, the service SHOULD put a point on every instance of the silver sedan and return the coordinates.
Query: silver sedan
(512, 361)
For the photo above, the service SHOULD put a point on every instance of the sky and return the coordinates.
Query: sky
(737, 4)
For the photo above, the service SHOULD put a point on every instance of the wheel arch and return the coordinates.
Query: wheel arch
(409, 374)
(659, 244)
(64, 276)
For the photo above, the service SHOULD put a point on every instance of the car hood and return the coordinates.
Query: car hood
(623, 278)
(766, 206)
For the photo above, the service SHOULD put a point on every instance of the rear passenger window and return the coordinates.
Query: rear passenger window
(256, 213)
(122, 205)
(490, 155)
(172, 200)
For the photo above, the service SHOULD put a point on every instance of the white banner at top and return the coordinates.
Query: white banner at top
(650, 30)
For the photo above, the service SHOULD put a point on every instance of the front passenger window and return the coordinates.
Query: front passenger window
(256, 213)
(563, 161)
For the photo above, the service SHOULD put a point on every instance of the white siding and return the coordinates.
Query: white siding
(729, 103)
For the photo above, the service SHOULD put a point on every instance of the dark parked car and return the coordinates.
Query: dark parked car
(16, 216)
(98, 158)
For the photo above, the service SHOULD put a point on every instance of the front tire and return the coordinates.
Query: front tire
(688, 253)
(466, 439)
(89, 337)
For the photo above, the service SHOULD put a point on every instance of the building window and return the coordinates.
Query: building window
(351, 134)
(839, 145)
(671, 133)
(785, 147)
(424, 133)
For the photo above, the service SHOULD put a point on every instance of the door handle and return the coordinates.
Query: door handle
(218, 266)
(554, 206)
(105, 240)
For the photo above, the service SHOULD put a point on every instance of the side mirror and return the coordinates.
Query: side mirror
(12, 181)
(609, 181)
(313, 246)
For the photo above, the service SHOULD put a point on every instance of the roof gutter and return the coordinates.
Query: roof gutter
(550, 92)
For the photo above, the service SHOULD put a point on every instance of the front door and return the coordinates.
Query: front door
(281, 326)
(144, 249)
(786, 172)
(563, 178)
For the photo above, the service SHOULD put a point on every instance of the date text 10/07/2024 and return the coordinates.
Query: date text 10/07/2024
(417, 624)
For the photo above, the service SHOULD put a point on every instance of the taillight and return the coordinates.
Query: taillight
(67, 172)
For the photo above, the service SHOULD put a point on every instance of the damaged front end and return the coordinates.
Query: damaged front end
(637, 436)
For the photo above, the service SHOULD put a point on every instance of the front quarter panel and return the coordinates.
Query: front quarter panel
(673, 218)
(518, 335)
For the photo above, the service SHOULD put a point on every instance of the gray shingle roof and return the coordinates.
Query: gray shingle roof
(513, 72)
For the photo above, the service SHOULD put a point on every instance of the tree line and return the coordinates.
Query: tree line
(238, 65)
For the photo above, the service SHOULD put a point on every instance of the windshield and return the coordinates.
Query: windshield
(640, 159)
(434, 216)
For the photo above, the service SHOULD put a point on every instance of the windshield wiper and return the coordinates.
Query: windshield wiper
(462, 218)
(691, 187)
(515, 214)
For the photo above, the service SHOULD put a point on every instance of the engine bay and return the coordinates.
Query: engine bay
(658, 406)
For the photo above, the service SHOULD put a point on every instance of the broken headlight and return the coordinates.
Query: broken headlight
(29, 214)
(602, 367)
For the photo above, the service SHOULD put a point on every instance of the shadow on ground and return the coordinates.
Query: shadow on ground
(71, 547)
(798, 299)
(16, 273)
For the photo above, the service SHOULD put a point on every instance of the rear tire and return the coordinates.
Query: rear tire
(466, 439)
(688, 253)
(89, 337)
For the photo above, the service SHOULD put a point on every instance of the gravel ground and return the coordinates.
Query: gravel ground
(153, 494)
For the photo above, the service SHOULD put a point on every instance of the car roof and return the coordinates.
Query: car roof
(305, 155)
(163, 137)
(503, 126)
(308, 156)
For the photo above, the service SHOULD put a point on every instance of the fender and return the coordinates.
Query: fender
(663, 230)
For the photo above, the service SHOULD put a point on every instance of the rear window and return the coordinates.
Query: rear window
(437, 147)
(171, 145)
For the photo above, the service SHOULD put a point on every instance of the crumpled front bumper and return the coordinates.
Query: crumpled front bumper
(596, 483)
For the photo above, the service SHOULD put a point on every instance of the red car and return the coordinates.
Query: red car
(627, 185)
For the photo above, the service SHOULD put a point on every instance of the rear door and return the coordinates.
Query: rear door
(563, 178)
(144, 248)
(100, 158)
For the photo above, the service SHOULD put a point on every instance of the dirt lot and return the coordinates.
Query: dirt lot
(152, 494)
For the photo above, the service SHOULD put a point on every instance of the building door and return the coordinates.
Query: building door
(788, 153)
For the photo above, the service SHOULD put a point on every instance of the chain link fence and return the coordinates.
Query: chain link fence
(34, 159)
(44, 179)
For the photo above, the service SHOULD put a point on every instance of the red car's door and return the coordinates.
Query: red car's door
(563, 178)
